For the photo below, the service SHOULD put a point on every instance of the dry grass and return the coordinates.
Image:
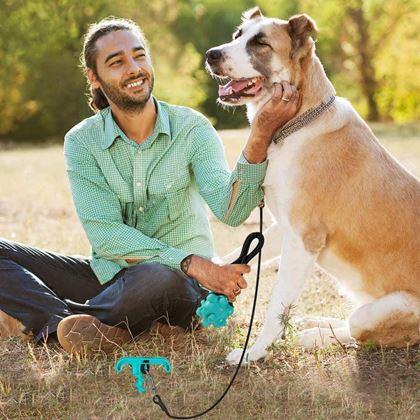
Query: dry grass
(44, 382)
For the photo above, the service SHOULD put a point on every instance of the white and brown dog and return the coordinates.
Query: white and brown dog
(338, 197)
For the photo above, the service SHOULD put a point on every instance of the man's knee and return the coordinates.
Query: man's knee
(154, 287)
(150, 292)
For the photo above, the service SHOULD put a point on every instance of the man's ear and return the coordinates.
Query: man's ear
(253, 13)
(300, 28)
(93, 80)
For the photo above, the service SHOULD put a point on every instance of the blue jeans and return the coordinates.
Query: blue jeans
(41, 288)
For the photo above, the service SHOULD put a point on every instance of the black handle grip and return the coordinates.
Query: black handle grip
(247, 256)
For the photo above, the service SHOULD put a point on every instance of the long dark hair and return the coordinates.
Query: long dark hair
(96, 98)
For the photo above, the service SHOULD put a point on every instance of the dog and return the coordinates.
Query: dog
(340, 200)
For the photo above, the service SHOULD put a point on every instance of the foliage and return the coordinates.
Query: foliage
(43, 39)
(369, 49)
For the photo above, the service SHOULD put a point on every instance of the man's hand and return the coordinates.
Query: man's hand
(226, 279)
(279, 109)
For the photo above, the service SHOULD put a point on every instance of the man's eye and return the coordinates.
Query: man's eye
(116, 62)
(140, 56)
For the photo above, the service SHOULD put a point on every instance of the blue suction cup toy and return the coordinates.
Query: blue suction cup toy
(216, 309)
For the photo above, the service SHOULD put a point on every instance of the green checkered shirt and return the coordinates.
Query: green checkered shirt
(145, 202)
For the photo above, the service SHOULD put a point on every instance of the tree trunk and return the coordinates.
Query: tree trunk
(369, 84)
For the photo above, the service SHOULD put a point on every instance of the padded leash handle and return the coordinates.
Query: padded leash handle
(245, 257)
(216, 309)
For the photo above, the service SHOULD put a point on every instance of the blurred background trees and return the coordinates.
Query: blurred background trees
(370, 50)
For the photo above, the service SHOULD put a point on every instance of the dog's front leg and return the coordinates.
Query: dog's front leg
(296, 265)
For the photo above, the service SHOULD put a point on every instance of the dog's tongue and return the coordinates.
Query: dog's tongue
(233, 86)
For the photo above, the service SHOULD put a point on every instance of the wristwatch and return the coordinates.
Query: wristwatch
(185, 264)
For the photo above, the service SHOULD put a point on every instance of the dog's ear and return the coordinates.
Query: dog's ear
(300, 28)
(253, 13)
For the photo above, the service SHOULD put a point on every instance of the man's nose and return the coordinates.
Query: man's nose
(213, 55)
(133, 66)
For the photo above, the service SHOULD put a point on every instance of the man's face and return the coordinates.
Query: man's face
(124, 70)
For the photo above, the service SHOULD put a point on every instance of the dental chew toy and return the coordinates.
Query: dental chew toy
(216, 309)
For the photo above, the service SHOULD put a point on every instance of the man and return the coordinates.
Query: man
(139, 170)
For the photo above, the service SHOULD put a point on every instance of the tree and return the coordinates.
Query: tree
(356, 39)
(42, 38)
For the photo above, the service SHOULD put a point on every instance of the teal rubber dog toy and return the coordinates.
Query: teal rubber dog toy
(140, 366)
(216, 309)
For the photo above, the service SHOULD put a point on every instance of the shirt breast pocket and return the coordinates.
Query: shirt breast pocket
(178, 203)
(175, 192)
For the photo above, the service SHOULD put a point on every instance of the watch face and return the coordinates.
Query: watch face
(185, 264)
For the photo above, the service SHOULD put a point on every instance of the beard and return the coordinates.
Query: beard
(124, 101)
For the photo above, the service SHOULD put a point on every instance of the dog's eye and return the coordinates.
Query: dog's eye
(262, 42)
(260, 39)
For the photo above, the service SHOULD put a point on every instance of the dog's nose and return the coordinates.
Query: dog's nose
(213, 55)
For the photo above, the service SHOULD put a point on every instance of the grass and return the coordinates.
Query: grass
(332, 383)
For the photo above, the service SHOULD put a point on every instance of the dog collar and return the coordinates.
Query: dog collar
(302, 120)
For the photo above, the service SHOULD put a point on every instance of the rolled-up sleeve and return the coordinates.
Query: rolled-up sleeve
(216, 183)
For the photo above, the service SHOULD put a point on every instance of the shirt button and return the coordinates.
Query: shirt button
(139, 183)
(141, 209)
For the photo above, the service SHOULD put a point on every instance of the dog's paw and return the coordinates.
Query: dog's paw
(322, 337)
(307, 322)
(310, 338)
(251, 355)
(234, 356)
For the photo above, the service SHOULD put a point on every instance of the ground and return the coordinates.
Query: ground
(334, 383)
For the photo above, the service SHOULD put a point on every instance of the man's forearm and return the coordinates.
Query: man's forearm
(255, 150)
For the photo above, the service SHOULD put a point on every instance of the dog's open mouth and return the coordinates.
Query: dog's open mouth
(237, 88)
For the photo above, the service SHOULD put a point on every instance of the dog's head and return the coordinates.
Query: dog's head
(263, 51)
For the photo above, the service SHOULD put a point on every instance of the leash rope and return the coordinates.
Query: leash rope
(157, 398)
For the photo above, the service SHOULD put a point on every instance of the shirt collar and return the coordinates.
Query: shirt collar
(112, 130)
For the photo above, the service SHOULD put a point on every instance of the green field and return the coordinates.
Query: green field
(333, 383)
